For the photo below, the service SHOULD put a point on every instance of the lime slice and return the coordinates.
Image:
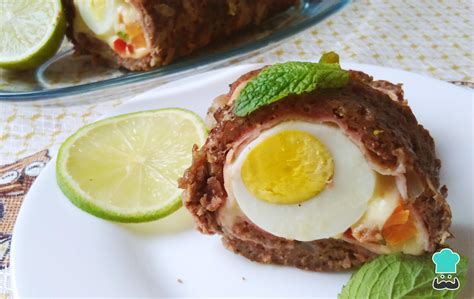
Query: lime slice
(126, 168)
(31, 32)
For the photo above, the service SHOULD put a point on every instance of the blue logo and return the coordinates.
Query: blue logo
(446, 262)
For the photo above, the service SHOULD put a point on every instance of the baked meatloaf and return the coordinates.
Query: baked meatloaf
(143, 34)
(365, 122)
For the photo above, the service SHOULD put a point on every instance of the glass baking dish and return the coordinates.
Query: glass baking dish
(67, 74)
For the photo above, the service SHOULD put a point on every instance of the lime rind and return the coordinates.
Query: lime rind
(96, 210)
(83, 201)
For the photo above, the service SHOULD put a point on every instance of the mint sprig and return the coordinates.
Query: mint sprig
(280, 80)
(400, 276)
(329, 57)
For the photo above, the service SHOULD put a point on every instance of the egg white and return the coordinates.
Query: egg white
(325, 215)
(105, 24)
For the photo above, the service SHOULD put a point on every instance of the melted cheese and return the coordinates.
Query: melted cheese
(382, 204)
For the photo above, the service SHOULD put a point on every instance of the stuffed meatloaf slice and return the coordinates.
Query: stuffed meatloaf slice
(379, 153)
(143, 34)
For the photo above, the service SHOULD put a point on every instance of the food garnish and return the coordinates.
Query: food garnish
(329, 57)
(30, 32)
(125, 168)
(400, 276)
(281, 80)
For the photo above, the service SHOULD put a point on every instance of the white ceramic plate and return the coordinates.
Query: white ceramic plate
(58, 250)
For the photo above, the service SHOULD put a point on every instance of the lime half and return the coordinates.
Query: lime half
(31, 32)
(126, 168)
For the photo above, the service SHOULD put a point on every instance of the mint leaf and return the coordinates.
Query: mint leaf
(281, 80)
(400, 276)
(329, 57)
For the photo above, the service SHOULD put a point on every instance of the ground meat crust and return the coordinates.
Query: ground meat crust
(320, 255)
(375, 115)
(177, 28)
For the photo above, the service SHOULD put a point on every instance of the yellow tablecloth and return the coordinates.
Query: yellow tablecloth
(428, 37)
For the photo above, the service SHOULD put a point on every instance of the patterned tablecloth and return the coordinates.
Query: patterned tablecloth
(422, 36)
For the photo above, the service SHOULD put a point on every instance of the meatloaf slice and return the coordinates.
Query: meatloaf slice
(375, 115)
(175, 28)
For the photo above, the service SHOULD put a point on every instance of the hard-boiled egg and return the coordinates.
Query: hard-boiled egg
(301, 181)
(98, 15)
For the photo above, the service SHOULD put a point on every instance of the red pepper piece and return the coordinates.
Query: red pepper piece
(130, 48)
(120, 45)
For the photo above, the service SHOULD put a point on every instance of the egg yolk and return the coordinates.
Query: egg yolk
(289, 167)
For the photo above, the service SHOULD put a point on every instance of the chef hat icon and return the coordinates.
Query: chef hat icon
(445, 261)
